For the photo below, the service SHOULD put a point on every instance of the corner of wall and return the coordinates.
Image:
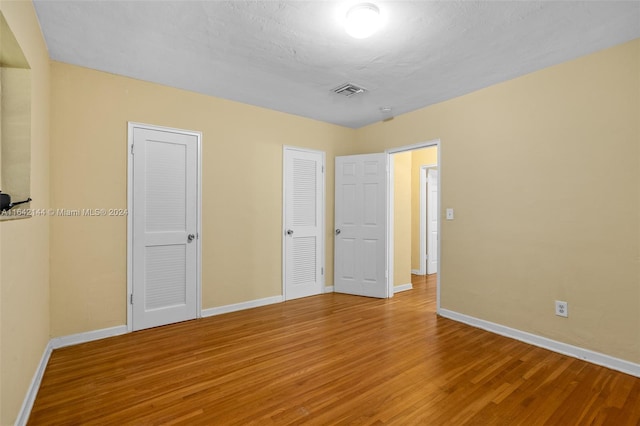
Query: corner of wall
(24, 244)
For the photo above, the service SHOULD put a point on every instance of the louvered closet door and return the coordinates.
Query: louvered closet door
(165, 217)
(303, 223)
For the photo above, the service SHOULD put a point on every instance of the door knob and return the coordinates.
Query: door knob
(289, 231)
(190, 237)
(338, 232)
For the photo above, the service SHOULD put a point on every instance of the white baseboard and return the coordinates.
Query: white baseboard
(55, 343)
(74, 339)
(34, 387)
(402, 287)
(88, 336)
(241, 306)
(328, 289)
(543, 342)
(593, 357)
(416, 272)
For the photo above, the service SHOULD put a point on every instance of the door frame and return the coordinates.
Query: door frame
(323, 222)
(390, 203)
(424, 169)
(130, 126)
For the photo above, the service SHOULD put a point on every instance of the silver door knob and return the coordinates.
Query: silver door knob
(338, 232)
(289, 231)
(190, 237)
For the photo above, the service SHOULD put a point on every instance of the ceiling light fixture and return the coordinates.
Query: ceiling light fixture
(363, 20)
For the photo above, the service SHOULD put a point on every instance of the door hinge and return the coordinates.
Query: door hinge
(321, 271)
(131, 298)
(131, 149)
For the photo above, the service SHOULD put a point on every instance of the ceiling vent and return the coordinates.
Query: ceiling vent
(349, 89)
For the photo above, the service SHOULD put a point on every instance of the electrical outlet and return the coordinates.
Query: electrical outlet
(562, 309)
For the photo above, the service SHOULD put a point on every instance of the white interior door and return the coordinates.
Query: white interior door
(361, 225)
(164, 225)
(432, 221)
(303, 223)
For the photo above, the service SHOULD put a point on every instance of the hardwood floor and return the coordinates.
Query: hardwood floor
(329, 359)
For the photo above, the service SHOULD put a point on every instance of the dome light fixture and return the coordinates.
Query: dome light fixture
(362, 20)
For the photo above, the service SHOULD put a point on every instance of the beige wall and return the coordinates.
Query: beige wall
(242, 191)
(543, 173)
(402, 218)
(24, 244)
(419, 157)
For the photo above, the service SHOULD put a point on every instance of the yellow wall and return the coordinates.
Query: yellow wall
(402, 218)
(543, 173)
(419, 157)
(24, 244)
(242, 191)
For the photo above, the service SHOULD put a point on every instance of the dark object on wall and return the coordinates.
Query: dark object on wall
(6, 204)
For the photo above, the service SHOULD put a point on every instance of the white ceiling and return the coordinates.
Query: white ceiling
(288, 55)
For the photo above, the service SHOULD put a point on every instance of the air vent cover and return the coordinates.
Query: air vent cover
(349, 89)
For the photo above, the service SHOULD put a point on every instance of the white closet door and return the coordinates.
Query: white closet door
(303, 223)
(165, 220)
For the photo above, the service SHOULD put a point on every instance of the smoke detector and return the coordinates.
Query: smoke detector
(349, 89)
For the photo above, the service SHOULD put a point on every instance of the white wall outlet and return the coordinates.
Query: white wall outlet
(449, 213)
(562, 308)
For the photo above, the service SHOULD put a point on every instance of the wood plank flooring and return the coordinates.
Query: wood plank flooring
(327, 360)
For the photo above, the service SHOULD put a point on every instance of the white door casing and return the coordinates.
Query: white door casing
(303, 222)
(164, 225)
(361, 225)
(432, 221)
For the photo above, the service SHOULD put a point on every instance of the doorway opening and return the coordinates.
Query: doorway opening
(404, 230)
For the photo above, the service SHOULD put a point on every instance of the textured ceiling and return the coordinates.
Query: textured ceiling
(288, 55)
